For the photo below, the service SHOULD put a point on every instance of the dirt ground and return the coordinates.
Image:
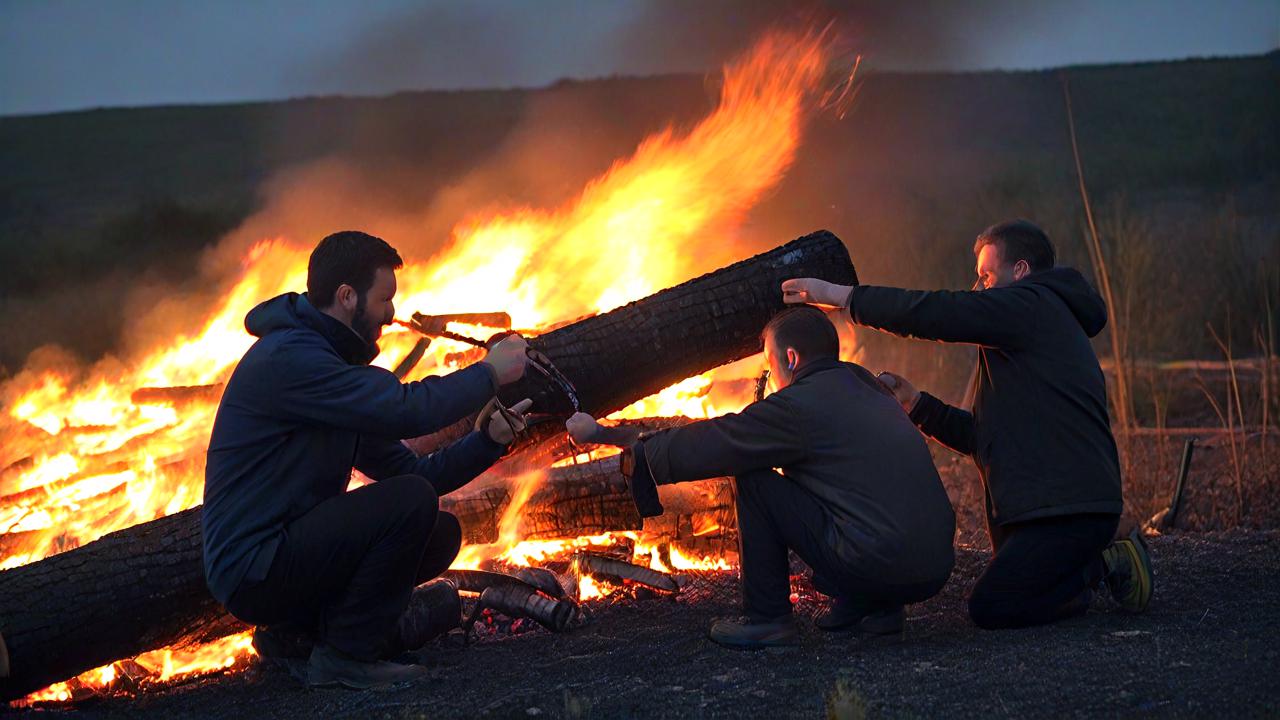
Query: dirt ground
(1209, 646)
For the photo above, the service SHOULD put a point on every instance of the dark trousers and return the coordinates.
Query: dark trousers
(1042, 570)
(776, 515)
(346, 568)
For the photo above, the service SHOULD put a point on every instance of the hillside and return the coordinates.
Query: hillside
(95, 203)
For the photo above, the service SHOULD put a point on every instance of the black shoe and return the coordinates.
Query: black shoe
(329, 666)
(1129, 576)
(283, 648)
(744, 634)
(434, 609)
(846, 615)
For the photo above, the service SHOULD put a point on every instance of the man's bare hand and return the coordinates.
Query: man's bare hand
(504, 426)
(508, 358)
(812, 291)
(582, 428)
(902, 389)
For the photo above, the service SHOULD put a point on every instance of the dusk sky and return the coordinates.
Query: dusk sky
(73, 54)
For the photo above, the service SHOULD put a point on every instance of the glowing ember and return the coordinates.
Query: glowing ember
(82, 458)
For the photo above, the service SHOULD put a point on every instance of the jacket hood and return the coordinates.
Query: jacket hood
(292, 311)
(1084, 302)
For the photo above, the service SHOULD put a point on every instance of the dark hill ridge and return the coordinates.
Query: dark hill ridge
(90, 200)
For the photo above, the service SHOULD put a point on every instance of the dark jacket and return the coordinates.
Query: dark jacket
(1039, 430)
(835, 432)
(301, 409)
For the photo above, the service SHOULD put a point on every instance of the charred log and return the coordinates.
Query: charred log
(520, 600)
(636, 350)
(128, 592)
(616, 571)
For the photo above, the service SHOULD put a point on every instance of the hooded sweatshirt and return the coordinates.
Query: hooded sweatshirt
(302, 409)
(1038, 429)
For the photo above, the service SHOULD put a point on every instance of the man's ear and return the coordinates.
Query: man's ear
(346, 297)
(1021, 269)
(793, 359)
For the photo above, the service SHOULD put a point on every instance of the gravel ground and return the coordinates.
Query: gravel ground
(1209, 646)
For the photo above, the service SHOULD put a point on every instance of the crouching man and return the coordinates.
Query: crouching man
(828, 466)
(327, 574)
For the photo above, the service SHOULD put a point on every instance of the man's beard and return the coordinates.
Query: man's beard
(365, 326)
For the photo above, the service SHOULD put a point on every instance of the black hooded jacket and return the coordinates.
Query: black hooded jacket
(301, 409)
(1038, 430)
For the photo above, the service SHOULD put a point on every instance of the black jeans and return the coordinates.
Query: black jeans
(1042, 570)
(776, 515)
(346, 568)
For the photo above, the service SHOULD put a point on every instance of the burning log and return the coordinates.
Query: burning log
(178, 395)
(588, 499)
(616, 571)
(640, 348)
(126, 593)
(143, 588)
(521, 600)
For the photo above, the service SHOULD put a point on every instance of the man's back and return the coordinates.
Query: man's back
(869, 462)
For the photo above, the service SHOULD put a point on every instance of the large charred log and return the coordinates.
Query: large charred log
(640, 348)
(126, 593)
(143, 588)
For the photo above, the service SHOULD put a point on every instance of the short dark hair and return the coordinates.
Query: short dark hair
(349, 257)
(1019, 240)
(805, 328)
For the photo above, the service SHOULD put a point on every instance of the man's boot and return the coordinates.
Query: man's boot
(329, 666)
(849, 615)
(1129, 576)
(284, 647)
(746, 634)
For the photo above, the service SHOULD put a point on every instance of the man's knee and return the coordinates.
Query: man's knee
(987, 612)
(447, 534)
(413, 496)
(752, 486)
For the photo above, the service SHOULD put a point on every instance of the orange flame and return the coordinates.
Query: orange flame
(83, 457)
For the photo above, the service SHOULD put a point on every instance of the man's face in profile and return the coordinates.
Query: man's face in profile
(375, 309)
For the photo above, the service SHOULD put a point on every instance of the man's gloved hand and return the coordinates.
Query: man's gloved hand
(812, 291)
(902, 389)
(502, 427)
(582, 428)
(508, 358)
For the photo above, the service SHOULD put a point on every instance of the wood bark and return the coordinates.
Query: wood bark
(128, 592)
(143, 588)
(640, 348)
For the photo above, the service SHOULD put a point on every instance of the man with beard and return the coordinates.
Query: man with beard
(1038, 429)
(327, 575)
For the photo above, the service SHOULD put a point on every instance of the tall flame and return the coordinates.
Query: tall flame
(86, 455)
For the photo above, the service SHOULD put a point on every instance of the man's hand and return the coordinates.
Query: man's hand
(508, 358)
(904, 391)
(504, 426)
(813, 291)
(582, 428)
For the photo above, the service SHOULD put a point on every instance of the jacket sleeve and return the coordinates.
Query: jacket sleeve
(312, 385)
(764, 435)
(447, 469)
(1001, 318)
(945, 423)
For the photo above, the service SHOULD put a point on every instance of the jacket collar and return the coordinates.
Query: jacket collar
(349, 345)
(814, 366)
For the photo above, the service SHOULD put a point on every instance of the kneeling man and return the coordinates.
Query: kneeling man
(829, 466)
